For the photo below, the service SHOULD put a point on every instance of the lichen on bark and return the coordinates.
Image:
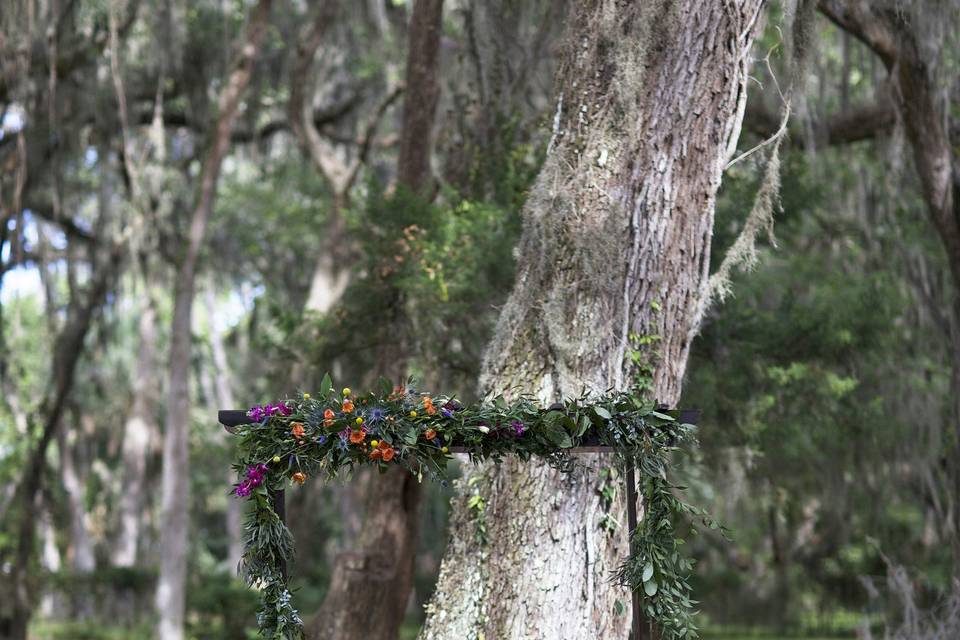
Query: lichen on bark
(615, 244)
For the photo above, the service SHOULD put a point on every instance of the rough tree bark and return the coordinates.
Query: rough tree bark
(175, 493)
(380, 566)
(616, 244)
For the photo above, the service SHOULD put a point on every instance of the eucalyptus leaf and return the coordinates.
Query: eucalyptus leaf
(647, 572)
(326, 384)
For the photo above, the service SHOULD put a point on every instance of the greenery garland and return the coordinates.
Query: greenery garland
(321, 435)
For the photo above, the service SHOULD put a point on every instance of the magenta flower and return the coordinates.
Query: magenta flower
(258, 413)
(256, 473)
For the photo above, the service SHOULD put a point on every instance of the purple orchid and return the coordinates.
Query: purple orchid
(260, 413)
(278, 409)
(256, 473)
(518, 428)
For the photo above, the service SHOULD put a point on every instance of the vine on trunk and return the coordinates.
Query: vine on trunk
(293, 440)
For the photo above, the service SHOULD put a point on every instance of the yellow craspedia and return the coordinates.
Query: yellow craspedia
(445, 449)
(346, 391)
(374, 443)
(306, 396)
(413, 414)
(359, 420)
(276, 459)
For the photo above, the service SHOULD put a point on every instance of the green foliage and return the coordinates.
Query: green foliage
(333, 432)
(425, 274)
(821, 392)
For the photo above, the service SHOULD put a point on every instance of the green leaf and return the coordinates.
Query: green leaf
(602, 412)
(554, 418)
(650, 588)
(386, 387)
(410, 437)
(647, 572)
(583, 426)
(326, 384)
(557, 435)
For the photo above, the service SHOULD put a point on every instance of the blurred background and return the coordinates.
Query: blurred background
(828, 380)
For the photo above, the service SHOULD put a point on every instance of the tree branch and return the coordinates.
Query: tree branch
(321, 151)
(864, 122)
(866, 22)
(68, 225)
(367, 139)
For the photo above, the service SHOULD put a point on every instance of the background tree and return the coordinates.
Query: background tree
(380, 563)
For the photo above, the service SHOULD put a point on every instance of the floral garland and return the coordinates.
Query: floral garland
(309, 436)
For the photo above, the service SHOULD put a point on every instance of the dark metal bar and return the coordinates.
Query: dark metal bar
(231, 418)
(280, 507)
(637, 624)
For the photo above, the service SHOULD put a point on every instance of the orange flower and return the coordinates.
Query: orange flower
(356, 437)
(376, 454)
(386, 451)
(347, 406)
(299, 477)
(429, 434)
(328, 417)
(428, 405)
(296, 428)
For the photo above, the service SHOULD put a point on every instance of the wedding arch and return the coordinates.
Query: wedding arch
(335, 431)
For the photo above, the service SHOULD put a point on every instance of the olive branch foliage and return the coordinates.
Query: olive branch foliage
(333, 432)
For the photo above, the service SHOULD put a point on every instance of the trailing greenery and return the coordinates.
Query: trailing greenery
(335, 431)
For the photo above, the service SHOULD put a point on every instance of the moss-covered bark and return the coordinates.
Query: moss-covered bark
(616, 245)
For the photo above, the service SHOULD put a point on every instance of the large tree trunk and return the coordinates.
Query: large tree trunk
(423, 90)
(380, 567)
(616, 244)
(74, 468)
(81, 554)
(138, 427)
(175, 500)
(223, 392)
